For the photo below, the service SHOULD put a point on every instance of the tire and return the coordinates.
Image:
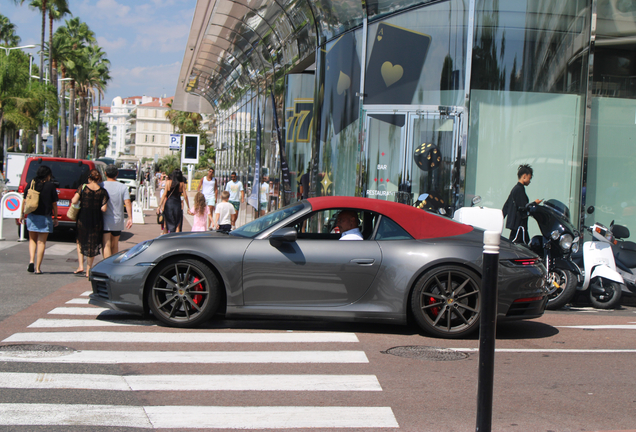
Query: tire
(565, 288)
(446, 302)
(610, 299)
(183, 293)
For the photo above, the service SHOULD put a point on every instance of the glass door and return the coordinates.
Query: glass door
(385, 148)
(413, 156)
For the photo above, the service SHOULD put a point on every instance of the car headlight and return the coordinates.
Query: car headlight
(135, 250)
(555, 234)
(566, 241)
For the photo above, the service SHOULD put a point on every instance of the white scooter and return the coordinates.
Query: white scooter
(600, 276)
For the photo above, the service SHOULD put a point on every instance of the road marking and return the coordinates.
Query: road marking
(69, 323)
(7, 244)
(60, 249)
(203, 357)
(78, 301)
(86, 293)
(162, 417)
(548, 351)
(138, 337)
(190, 382)
(84, 311)
(66, 323)
(603, 327)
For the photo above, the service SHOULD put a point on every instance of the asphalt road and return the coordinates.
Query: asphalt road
(101, 371)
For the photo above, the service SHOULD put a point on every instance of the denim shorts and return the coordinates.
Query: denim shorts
(236, 204)
(39, 223)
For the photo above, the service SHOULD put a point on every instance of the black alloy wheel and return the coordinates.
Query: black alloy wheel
(561, 286)
(183, 292)
(446, 302)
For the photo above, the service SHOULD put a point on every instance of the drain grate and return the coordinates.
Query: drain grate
(427, 353)
(35, 351)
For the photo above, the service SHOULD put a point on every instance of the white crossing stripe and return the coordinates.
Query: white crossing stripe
(603, 327)
(139, 337)
(190, 357)
(162, 417)
(91, 311)
(78, 301)
(190, 382)
(68, 323)
(86, 293)
(553, 350)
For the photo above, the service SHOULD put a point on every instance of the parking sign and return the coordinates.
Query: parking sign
(175, 142)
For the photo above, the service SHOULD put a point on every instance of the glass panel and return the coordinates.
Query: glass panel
(385, 146)
(418, 57)
(389, 230)
(377, 8)
(433, 161)
(337, 16)
(338, 81)
(299, 117)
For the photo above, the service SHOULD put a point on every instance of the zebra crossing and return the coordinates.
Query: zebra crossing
(80, 323)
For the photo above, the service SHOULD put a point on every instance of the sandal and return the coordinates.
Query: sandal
(31, 268)
(78, 271)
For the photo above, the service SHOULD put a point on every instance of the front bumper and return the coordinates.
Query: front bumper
(119, 286)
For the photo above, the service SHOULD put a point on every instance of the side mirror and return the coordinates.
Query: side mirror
(283, 235)
(476, 200)
(590, 210)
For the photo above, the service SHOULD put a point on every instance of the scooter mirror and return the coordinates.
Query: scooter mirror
(590, 210)
(476, 200)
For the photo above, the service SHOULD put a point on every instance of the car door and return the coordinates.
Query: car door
(315, 270)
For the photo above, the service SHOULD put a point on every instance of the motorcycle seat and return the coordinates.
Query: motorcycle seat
(628, 246)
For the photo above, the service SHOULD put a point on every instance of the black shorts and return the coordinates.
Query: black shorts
(225, 227)
(113, 233)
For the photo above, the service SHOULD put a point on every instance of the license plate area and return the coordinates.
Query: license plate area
(63, 203)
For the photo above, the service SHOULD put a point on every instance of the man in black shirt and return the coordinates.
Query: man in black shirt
(514, 210)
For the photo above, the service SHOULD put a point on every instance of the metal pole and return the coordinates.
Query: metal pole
(487, 331)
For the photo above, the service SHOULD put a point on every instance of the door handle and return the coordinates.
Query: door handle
(362, 261)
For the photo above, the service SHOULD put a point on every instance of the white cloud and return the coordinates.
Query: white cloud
(145, 80)
(112, 46)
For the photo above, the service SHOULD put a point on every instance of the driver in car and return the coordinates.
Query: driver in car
(347, 223)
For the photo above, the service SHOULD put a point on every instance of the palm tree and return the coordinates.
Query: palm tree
(91, 79)
(79, 35)
(57, 9)
(63, 54)
(7, 32)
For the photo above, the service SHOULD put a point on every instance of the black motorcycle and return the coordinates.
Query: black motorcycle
(558, 240)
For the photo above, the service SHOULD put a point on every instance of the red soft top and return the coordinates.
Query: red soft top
(418, 223)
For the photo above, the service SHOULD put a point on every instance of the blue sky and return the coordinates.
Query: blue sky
(143, 39)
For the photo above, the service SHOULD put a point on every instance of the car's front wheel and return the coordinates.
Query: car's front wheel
(446, 302)
(183, 292)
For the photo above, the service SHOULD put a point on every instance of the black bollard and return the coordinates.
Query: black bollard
(487, 331)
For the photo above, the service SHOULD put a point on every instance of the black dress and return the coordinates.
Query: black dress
(172, 212)
(90, 221)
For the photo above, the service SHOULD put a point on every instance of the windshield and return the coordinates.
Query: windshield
(259, 225)
(127, 174)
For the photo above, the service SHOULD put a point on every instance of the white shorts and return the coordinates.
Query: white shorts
(210, 201)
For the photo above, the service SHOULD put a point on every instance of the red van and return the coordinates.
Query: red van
(68, 175)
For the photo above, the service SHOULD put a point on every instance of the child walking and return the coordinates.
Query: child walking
(223, 214)
(201, 212)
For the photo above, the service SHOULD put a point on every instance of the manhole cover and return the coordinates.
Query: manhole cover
(35, 351)
(427, 353)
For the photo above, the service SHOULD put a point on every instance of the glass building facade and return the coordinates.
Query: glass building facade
(396, 99)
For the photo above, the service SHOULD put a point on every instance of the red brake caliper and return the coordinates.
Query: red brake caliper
(198, 298)
(434, 310)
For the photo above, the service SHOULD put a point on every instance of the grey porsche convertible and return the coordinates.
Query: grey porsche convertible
(290, 263)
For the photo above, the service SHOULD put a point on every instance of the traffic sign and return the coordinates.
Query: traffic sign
(11, 205)
(175, 142)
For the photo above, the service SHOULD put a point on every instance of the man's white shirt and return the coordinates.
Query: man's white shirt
(352, 234)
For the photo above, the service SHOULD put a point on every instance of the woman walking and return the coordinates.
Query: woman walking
(41, 221)
(170, 203)
(93, 201)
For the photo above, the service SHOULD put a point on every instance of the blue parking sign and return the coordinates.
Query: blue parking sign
(175, 142)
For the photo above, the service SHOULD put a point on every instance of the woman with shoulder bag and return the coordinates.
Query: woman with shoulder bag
(90, 221)
(40, 222)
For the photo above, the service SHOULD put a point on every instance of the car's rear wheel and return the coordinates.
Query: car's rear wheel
(183, 292)
(446, 302)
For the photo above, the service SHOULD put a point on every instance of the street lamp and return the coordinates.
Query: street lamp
(6, 50)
